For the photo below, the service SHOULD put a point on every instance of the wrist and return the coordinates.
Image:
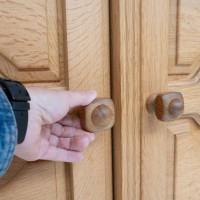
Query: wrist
(18, 97)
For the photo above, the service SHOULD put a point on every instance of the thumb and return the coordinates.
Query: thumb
(80, 98)
(53, 105)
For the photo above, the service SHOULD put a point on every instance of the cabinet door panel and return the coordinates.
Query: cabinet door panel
(62, 45)
(186, 56)
(156, 49)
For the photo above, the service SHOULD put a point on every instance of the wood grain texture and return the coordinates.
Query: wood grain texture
(169, 152)
(154, 63)
(183, 36)
(188, 29)
(71, 50)
(174, 129)
(32, 51)
(98, 116)
(59, 43)
(187, 164)
(31, 185)
(89, 68)
(189, 87)
(31, 41)
(125, 66)
(16, 166)
(171, 160)
(185, 161)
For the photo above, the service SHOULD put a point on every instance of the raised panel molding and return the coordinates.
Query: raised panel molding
(31, 40)
(189, 87)
(184, 141)
(183, 160)
(32, 51)
(184, 31)
(174, 129)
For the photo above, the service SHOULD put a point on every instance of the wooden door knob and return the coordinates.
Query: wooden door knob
(167, 106)
(98, 116)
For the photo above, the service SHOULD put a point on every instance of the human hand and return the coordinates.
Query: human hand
(52, 134)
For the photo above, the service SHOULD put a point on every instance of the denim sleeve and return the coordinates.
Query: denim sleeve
(8, 133)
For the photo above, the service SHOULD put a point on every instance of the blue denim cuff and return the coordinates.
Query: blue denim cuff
(8, 133)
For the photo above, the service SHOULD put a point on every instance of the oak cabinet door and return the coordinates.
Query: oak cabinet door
(58, 44)
(156, 49)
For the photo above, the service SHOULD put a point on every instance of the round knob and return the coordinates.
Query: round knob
(98, 116)
(167, 106)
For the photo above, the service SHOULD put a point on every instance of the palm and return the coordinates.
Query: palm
(51, 133)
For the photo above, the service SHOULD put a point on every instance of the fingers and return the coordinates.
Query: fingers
(80, 98)
(75, 144)
(58, 154)
(67, 143)
(78, 143)
(64, 131)
(53, 140)
(69, 121)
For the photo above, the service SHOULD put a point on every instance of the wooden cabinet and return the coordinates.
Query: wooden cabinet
(130, 49)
